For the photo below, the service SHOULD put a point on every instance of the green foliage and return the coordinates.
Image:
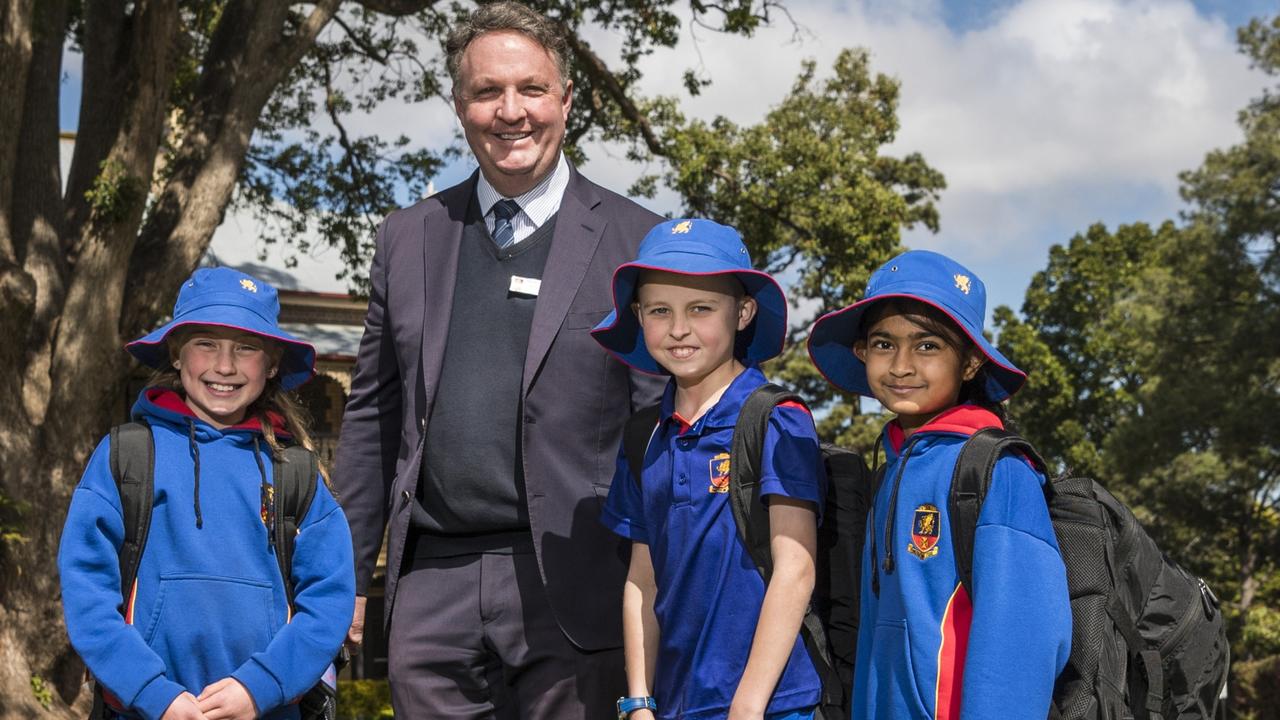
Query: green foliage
(1255, 688)
(364, 700)
(11, 513)
(41, 691)
(115, 193)
(808, 187)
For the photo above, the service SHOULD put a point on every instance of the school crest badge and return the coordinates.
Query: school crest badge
(924, 532)
(719, 472)
(682, 228)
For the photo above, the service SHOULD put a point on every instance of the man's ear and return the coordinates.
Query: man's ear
(860, 350)
(566, 102)
(746, 312)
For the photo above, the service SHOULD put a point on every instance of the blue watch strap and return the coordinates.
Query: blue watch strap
(628, 705)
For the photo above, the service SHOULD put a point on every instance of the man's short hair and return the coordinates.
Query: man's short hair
(507, 16)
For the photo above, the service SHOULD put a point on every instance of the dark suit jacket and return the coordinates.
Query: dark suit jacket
(575, 399)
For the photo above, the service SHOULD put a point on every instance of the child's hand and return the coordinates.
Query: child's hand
(227, 700)
(183, 707)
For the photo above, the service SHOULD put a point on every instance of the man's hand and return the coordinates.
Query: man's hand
(183, 707)
(226, 700)
(355, 634)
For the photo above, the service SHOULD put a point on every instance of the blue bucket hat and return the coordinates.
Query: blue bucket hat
(694, 247)
(933, 279)
(224, 297)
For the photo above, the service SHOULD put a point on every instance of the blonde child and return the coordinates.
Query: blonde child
(207, 631)
(704, 636)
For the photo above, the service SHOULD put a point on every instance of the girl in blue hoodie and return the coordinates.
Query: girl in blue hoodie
(926, 649)
(207, 630)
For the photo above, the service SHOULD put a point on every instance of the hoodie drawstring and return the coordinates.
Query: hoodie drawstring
(268, 494)
(889, 521)
(195, 459)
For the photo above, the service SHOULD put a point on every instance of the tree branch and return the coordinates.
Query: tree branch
(595, 67)
(15, 57)
(215, 138)
(396, 8)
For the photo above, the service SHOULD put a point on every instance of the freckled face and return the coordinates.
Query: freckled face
(513, 106)
(223, 370)
(912, 371)
(690, 323)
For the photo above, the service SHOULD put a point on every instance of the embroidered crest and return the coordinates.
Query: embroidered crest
(719, 471)
(247, 284)
(962, 282)
(682, 228)
(924, 532)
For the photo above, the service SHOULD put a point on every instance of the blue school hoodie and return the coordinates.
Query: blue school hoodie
(210, 602)
(925, 648)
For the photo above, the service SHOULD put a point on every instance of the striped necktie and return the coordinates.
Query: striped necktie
(504, 233)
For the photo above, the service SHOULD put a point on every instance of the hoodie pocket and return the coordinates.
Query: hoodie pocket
(896, 691)
(222, 620)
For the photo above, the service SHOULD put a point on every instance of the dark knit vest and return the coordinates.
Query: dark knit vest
(472, 482)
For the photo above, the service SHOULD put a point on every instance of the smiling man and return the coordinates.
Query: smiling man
(483, 422)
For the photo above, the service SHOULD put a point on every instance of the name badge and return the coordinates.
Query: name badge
(525, 286)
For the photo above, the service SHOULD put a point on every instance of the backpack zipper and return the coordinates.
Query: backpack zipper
(1186, 622)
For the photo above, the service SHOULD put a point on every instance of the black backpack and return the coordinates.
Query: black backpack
(830, 628)
(294, 481)
(1148, 640)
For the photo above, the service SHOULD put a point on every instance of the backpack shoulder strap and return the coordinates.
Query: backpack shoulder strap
(752, 520)
(745, 453)
(294, 475)
(636, 436)
(133, 469)
(969, 484)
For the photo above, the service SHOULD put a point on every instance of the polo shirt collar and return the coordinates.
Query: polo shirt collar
(539, 204)
(724, 413)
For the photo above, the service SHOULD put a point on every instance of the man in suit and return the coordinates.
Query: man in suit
(483, 421)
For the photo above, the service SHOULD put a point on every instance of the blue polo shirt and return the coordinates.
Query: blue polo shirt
(709, 592)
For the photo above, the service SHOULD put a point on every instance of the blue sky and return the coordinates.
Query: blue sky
(1044, 115)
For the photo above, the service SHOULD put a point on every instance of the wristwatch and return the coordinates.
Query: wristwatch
(628, 705)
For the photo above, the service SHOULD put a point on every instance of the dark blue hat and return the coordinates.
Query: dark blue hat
(228, 298)
(694, 247)
(931, 278)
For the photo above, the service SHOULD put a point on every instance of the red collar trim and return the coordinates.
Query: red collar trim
(684, 424)
(170, 400)
(960, 419)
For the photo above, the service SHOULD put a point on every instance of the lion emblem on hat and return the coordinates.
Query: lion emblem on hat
(962, 282)
(682, 228)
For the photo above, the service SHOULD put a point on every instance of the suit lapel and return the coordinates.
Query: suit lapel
(578, 232)
(442, 238)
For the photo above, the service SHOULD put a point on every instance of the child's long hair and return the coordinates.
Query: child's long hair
(933, 320)
(297, 421)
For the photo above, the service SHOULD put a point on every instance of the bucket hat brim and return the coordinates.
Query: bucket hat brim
(621, 335)
(297, 361)
(834, 334)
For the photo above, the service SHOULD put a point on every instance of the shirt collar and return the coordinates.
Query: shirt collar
(724, 413)
(539, 204)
